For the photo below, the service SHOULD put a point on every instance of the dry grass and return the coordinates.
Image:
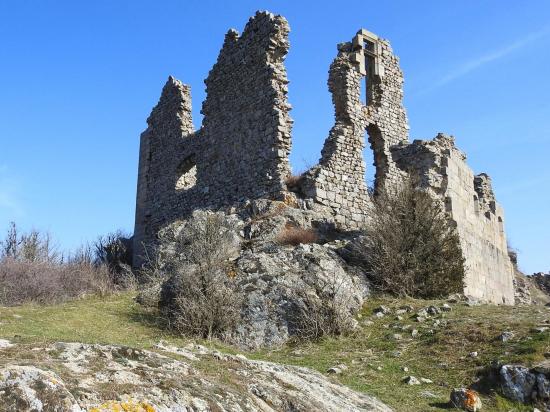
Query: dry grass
(375, 360)
(44, 282)
(292, 235)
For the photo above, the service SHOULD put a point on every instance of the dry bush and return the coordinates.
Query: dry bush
(325, 312)
(293, 181)
(409, 247)
(33, 246)
(25, 281)
(201, 298)
(201, 302)
(292, 235)
(32, 271)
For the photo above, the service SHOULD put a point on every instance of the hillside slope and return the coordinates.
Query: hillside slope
(452, 348)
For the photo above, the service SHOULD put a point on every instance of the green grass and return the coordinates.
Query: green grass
(115, 319)
(442, 356)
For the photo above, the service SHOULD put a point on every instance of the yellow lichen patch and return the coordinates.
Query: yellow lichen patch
(124, 406)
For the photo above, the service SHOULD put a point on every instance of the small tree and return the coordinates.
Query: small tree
(409, 247)
(33, 246)
(114, 250)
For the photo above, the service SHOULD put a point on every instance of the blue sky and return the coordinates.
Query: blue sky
(78, 79)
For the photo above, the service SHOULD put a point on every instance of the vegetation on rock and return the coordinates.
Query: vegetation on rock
(409, 247)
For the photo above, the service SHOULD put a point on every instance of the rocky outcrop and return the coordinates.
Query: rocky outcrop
(73, 377)
(542, 280)
(291, 287)
(531, 290)
(285, 285)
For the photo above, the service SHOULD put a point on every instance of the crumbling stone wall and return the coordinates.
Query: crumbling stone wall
(438, 166)
(338, 180)
(241, 150)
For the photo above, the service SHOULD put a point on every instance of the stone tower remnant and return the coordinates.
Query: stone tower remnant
(241, 151)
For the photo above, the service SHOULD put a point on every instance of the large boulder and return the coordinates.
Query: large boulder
(517, 382)
(523, 384)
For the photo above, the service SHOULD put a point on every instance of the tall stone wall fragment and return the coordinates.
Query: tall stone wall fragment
(241, 150)
(438, 166)
(338, 180)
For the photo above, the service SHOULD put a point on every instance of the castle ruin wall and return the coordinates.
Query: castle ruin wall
(338, 181)
(438, 166)
(241, 150)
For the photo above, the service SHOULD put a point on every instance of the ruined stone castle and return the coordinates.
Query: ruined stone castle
(241, 150)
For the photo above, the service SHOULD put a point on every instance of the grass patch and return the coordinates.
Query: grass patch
(115, 319)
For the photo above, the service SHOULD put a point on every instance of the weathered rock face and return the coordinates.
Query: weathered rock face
(74, 377)
(283, 284)
(241, 151)
(522, 291)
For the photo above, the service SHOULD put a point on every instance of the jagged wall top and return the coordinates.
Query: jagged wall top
(241, 150)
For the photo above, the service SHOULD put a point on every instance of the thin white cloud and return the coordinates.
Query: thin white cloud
(489, 57)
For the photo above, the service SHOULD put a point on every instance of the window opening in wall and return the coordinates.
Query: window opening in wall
(476, 204)
(370, 167)
(370, 56)
(186, 174)
(500, 224)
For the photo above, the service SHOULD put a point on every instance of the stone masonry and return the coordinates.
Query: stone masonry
(438, 166)
(241, 151)
(338, 180)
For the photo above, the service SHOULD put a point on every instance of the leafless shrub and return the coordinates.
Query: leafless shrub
(292, 235)
(151, 277)
(25, 281)
(201, 302)
(326, 311)
(293, 181)
(33, 246)
(409, 247)
(32, 271)
(201, 297)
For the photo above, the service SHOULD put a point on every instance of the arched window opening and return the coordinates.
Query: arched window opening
(186, 174)
(500, 224)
